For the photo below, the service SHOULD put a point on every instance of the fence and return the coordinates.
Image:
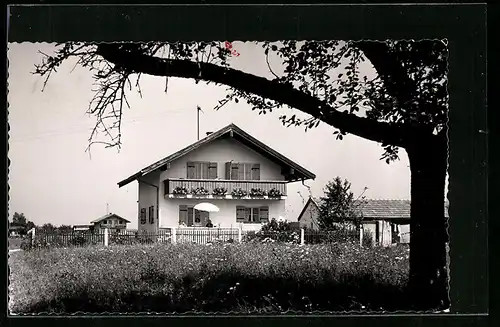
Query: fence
(199, 235)
(206, 235)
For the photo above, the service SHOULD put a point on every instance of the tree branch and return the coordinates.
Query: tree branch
(285, 93)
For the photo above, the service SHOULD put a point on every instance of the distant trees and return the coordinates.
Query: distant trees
(19, 219)
(338, 205)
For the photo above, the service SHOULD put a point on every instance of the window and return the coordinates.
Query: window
(152, 214)
(242, 171)
(252, 215)
(201, 170)
(142, 216)
(104, 221)
(189, 216)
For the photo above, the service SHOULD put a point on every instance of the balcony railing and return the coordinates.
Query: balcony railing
(228, 185)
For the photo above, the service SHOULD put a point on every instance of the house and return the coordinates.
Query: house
(388, 221)
(243, 177)
(111, 221)
(16, 230)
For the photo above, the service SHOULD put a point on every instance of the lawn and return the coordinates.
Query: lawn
(242, 278)
(15, 243)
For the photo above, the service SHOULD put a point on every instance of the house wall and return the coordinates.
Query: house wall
(309, 218)
(147, 198)
(405, 233)
(222, 151)
(226, 217)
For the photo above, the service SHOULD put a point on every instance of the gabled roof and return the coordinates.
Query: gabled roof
(371, 209)
(109, 215)
(238, 134)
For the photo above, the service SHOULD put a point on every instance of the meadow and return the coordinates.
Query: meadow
(181, 278)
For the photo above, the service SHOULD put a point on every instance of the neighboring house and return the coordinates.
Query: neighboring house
(111, 221)
(16, 230)
(218, 169)
(388, 221)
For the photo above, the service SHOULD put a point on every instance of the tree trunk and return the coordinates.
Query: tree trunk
(428, 283)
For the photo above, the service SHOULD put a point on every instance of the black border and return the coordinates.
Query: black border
(463, 25)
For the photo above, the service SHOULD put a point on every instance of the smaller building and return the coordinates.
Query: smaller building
(16, 230)
(387, 221)
(111, 221)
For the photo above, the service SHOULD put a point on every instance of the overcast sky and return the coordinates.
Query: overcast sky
(52, 178)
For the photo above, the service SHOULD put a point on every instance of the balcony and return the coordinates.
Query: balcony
(235, 189)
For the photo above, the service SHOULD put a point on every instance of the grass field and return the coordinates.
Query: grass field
(15, 243)
(243, 278)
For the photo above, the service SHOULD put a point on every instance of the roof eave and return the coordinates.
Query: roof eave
(130, 179)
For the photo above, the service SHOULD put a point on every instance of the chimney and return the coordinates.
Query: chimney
(208, 133)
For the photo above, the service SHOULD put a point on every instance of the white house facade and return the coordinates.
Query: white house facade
(229, 168)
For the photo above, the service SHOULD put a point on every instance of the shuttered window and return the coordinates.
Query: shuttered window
(264, 214)
(201, 170)
(142, 216)
(252, 215)
(152, 214)
(242, 171)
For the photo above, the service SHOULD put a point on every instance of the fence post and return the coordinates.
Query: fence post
(32, 236)
(239, 234)
(302, 238)
(361, 235)
(106, 235)
(174, 236)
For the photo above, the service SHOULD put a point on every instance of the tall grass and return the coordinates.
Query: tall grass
(245, 278)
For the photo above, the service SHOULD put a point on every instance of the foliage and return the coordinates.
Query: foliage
(274, 193)
(200, 191)
(19, 218)
(242, 278)
(239, 192)
(337, 205)
(368, 240)
(219, 191)
(275, 231)
(408, 91)
(180, 190)
(257, 192)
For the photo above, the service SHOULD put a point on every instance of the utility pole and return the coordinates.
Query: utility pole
(198, 109)
(107, 208)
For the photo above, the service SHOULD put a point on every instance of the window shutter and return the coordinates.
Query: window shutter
(183, 214)
(143, 216)
(235, 171)
(152, 214)
(228, 170)
(264, 214)
(212, 170)
(240, 214)
(190, 170)
(190, 216)
(256, 172)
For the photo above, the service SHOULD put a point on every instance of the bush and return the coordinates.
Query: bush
(275, 231)
(244, 278)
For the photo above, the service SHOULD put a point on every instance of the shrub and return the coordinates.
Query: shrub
(244, 278)
(275, 231)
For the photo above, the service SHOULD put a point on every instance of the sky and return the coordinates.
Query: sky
(53, 180)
